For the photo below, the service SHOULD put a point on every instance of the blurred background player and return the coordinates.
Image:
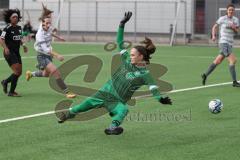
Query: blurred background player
(44, 56)
(28, 32)
(129, 77)
(229, 25)
(11, 39)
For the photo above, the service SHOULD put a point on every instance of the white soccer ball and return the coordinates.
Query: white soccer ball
(215, 106)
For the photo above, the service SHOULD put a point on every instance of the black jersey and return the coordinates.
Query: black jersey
(12, 36)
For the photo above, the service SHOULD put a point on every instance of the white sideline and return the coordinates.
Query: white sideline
(173, 91)
(65, 55)
(78, 54)
(189, 89)
(26, 117)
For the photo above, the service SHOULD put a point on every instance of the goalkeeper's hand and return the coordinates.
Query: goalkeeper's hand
(165, 100)
(126, 18)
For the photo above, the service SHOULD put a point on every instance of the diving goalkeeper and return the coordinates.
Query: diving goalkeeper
(129, 77)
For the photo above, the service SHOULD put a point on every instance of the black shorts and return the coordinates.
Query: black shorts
(14, 57)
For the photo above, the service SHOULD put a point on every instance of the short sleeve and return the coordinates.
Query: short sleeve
(219, 21)
(4, 32)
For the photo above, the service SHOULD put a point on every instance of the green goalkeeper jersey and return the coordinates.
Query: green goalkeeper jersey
(128, 77)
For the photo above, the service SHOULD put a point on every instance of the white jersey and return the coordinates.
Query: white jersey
(226, 33)
(43, 41)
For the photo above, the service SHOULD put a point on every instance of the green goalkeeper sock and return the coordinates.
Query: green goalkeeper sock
(115, 123)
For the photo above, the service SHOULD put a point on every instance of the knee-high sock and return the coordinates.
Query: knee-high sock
(119, 113)
(115, 123)
(9, 79)
(62, 85)
(233, 72)
(14, 83)
(210, 69)
(37, 74)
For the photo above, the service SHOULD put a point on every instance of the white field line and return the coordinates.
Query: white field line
(31, 116)
(195, 57)
(189, 89)
(65, 55)
(173, 91)
(78, 54)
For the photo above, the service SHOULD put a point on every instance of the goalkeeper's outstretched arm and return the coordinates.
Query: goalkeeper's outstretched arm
(120, 33)
(154, 90)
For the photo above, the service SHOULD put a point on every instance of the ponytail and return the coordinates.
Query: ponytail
(45, 12)
(146, 49)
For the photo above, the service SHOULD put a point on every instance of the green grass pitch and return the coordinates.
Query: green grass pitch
(187, 130)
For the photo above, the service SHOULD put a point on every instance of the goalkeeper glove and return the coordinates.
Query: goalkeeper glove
(165, 100)
(126, 18)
